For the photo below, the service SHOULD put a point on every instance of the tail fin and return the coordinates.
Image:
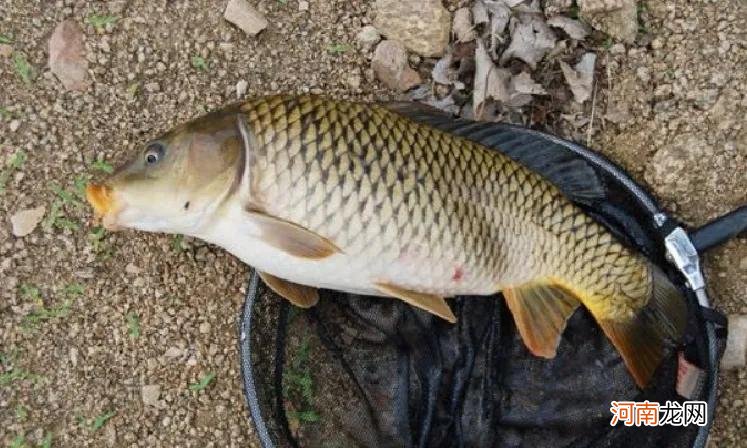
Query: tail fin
(641, 341)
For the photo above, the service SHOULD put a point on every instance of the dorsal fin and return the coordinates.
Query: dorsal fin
(542, 153)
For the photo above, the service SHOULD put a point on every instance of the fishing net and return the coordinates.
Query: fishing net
(358, 371)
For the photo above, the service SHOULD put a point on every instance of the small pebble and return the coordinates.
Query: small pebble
(241, 87)
(150, 394)
(24, 222)
(244, 16)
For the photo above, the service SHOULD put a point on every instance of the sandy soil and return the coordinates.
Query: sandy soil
(122, 324)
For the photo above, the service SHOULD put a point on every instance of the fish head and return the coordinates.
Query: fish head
(176, 182)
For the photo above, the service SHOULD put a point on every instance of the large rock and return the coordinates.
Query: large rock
(421, 25)
(25, 221)
(391, 67)
(67, 57)
(618, 18)
(244, 16)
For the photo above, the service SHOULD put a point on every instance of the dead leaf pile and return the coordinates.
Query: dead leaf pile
(509, 53)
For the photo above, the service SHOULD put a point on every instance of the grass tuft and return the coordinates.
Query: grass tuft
(133, 325)
(31, 292)
(98, 422)
(47, 442)
(67, 197)
(338, 48)
(15, 162)
(22, 67)
(100, 165)
(100, 21)
(18, 442)
(203, 383)
(132, 90)
(21, 413)
(56, 217)
(15, 374)
(177, 242)
(43, 314)
(80, 184)
(298, 386)
(5, 113)
(74, 290)
(199, 63)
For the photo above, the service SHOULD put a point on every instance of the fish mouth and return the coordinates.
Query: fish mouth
(101, 198)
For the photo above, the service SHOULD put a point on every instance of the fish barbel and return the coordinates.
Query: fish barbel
(364, 198)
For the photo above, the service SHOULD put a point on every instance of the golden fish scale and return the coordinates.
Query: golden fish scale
(380, 185)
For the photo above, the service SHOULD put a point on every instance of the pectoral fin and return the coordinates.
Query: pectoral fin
(540, 311)
(432, 303)
(292, 238)
(300, 295)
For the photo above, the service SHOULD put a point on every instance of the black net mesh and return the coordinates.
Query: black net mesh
(368, 372)
(358, 371)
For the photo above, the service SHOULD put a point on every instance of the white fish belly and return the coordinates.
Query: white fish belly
(354, 273)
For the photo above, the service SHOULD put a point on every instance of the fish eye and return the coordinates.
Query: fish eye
(154, 153)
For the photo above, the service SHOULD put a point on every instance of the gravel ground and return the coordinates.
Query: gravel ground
(685, 94)
(121, 325)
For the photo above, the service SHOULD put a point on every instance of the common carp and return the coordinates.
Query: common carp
(366, 198)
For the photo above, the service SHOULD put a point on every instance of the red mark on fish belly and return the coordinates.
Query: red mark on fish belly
(458, 274)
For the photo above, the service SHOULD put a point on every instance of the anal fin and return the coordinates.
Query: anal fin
(300, 295)
(540, 311)
(429, 302)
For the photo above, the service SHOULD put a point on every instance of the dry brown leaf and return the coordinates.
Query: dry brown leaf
(521, 90)
(490, 81)
(581, 77)
(445, 104)
(442, 72)
(480, 13)
(499, 17)
(523, 83)
(531, 39)
(462, 26)
(574, 28)
(532, 6)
